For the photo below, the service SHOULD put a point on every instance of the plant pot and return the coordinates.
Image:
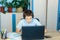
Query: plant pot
(10, 9)
(13, 10)
(2, 9)
(5, 9)
(19, 10)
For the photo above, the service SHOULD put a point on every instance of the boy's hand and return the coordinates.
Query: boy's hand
(17, 30)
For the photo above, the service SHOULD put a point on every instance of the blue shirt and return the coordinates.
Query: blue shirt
(23, 22)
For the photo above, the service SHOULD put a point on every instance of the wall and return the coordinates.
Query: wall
(49, 13)
(6, 21)
(40, 10)
(58, 22)
(0, 23)
(52, 15)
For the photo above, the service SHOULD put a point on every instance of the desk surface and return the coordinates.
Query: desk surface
(54, 35)
(12, 39)
(15, 38)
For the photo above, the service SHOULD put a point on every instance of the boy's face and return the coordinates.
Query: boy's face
(28, 19)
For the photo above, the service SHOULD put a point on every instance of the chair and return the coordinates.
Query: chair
(37, 19)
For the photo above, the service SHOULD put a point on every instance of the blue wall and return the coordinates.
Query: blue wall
(58, 22)
(13, 22)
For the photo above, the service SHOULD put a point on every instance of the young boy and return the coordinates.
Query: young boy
(28, 20)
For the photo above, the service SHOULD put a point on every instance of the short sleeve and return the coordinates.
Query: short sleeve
(19, 26)
(37, 22)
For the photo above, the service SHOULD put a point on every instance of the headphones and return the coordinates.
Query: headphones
(28, 11)
(25, 16)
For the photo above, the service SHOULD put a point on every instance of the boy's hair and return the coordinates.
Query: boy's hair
(28, 13)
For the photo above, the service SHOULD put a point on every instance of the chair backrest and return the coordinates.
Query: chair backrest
(37, 19)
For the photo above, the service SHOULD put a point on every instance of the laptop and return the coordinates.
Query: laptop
(33, 32)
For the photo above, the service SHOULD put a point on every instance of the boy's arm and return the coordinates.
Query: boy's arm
(17, 30)
(18, 27)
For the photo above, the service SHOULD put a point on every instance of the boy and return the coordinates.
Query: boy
(28, 20)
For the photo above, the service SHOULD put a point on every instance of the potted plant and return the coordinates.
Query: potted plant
(19, 4)
(1, 6)
(15, 3)
(9, 5)
(12, 5)
(23, 5)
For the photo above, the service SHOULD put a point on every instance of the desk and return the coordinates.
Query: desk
(15, 38)
(54, 35)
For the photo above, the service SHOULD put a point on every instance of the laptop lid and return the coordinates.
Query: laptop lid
(33, 32)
